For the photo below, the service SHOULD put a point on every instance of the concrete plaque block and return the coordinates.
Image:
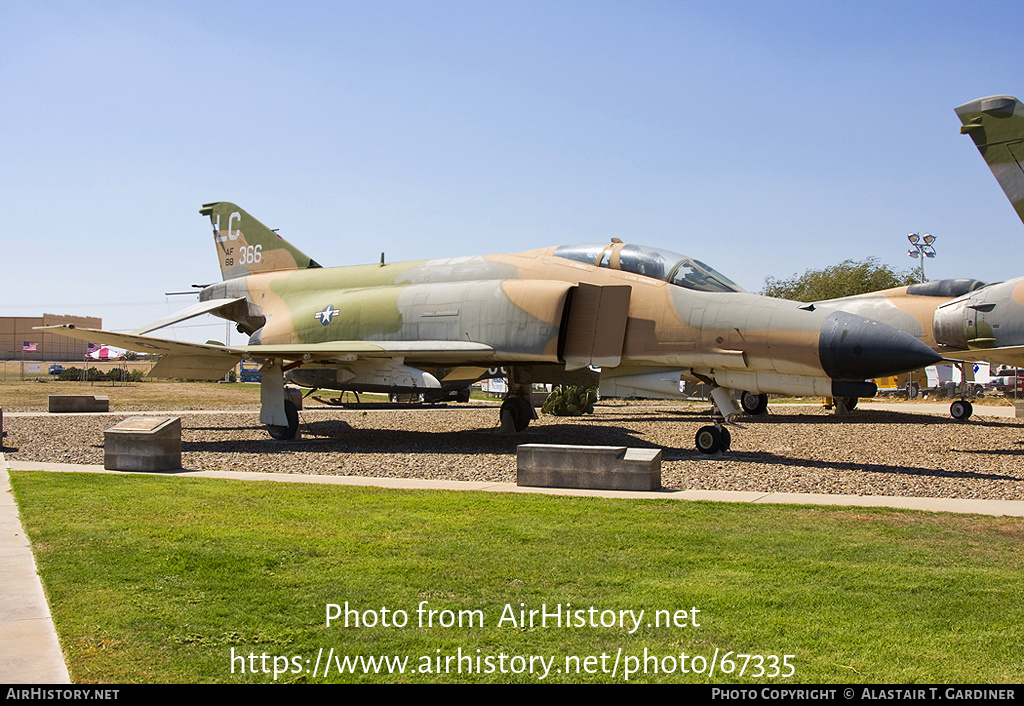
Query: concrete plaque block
(143, 444)
(589, 467)
(78, 403)
(1018, 409)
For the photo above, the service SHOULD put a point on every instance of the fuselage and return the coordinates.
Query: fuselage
(520, 306)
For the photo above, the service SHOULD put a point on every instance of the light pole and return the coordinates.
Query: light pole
(921, 247)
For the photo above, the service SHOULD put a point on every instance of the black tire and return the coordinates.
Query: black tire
(286, 433)
(708, 440)
(520, 410)
(851, 403)
(913, 389)
(754, 403)
(961, 410)
(726, 438)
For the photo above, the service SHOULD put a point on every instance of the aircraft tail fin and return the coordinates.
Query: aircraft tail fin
(996, 124)
(245, 246)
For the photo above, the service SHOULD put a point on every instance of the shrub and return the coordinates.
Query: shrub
(570, 401)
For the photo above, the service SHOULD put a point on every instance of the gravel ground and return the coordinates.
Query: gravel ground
(794, 449)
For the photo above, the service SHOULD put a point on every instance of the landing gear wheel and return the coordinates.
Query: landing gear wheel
(709, 439)
(726, 438)
(288, 432)
(851, 403)
(520, 410)
(753, 403)
(961, 410)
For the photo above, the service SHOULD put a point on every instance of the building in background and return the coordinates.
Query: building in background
(18, 340)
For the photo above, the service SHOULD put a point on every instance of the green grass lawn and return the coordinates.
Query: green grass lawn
(162, 579)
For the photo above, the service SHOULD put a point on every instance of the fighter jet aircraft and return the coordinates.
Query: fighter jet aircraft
(944, 314)
(639, 315)
(964, 319)
(991, 321)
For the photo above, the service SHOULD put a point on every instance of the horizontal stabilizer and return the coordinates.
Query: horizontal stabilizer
(144, 344)
(207, 307)
(193, 367)
(192, 361)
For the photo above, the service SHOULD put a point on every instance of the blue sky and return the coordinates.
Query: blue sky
(762, 138)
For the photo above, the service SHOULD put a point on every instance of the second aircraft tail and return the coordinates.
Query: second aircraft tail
(996, 124)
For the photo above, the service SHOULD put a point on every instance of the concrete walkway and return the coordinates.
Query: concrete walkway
(30, 652)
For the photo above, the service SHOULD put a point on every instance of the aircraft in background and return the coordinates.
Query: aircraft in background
(641, 316)
(944, 314)
(962, 319)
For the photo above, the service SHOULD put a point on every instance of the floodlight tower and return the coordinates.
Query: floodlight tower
(921, 247)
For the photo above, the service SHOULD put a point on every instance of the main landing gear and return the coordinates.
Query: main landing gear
(710, 439)
(754, 403)
(288, 431)
(961, 410)
(279, 407)
(517, 410)
(516, 413)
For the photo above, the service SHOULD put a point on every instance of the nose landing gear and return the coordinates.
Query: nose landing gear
(961, 410)
(716, 437)
(713, 438)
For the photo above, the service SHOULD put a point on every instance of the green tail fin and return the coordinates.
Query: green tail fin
(996, 124)
(245, 246)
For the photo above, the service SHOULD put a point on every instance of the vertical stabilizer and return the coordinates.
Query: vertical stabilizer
(996, 124)
(245, 246)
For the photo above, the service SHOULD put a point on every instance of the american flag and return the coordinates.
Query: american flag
(28, 346)
(92, 347)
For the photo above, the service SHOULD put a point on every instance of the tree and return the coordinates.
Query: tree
(843, 280)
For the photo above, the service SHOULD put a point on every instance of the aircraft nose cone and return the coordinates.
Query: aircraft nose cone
(855, 348)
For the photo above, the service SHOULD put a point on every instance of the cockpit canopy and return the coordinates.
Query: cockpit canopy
(945, 287)
(651, 262)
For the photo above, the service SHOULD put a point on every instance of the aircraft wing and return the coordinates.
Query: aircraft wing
(349, 350)
(1012, 356)
(204, 361)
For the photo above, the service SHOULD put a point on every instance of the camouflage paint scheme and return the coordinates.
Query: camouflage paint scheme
(996, 124)
(547, 315)
(962, 319)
